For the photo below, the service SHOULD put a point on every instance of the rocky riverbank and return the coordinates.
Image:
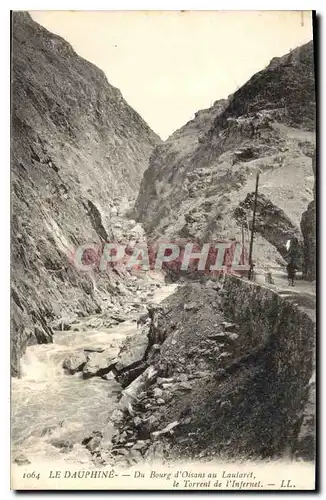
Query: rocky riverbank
(205, 380)
(67, 390)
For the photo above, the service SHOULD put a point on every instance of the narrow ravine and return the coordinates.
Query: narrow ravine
(52, 412)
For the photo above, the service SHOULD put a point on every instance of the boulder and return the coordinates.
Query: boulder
(108, 376)
(166, 430)
(126, 377)
(228, 326)
(74, 363)
(117, 318)
(155, 453)
(153, 352)
(21, 460)
(161, 380)
(214, 285)
(129, 395)
(167, 385)
(140, 445)
(157, 392)
(137, 421)
(93, 442)
(95, 322)
(63, 323)
(133, 351)
(99, 364)
(48, 430)
(117, 416)
(217, 336)
(185, 386)
(147, 427)
(120, 451)
(224, 336)
(232, 336)
(122, 290)
(64, 444)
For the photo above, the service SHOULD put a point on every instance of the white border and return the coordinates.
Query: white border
(162, 5)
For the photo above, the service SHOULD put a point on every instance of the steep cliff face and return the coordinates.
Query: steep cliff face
(272, 223)
(308, 227)
(76, 145)
(206, 168)
(168, 164)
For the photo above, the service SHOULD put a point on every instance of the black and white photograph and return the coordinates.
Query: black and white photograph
(163, 202)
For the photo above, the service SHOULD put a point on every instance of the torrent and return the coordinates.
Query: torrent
(52, 411)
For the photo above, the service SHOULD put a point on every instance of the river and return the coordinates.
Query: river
(47, 404)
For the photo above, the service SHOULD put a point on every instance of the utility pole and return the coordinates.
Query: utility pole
(250, 275)
(243, 242)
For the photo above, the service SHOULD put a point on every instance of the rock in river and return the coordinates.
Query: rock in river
(93, 349)
(93, 441)
(74, 363)
(21, 460)
(63, 444)
(133, 351)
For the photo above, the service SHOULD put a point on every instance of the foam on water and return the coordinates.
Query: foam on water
(46, 403)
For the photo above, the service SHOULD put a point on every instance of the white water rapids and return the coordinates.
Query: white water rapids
(48, 404)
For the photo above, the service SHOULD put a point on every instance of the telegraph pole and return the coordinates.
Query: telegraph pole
(243, 242)
(250, 275)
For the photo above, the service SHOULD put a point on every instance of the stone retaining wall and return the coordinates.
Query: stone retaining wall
(288, 331)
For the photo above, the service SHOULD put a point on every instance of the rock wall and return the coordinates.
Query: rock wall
(232, 377)
(76, 145)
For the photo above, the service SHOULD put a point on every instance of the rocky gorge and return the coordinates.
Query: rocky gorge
(204, 174)
(76, 146)
(202, 365)
(122, 367)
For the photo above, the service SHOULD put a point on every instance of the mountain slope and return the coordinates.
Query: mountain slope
(76, 146)
(199, 176)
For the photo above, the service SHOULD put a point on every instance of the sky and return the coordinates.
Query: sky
(170, 64)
